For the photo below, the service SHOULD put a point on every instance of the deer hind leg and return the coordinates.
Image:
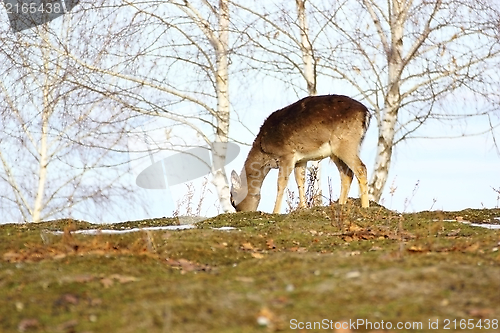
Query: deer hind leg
(349, 155)
(300, 178)
(346, 176)
(363, 185)
(285, 169)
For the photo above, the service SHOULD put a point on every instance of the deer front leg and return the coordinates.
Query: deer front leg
(284, 172)
(300, 178)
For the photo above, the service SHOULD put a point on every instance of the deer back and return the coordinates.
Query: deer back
(309, 123)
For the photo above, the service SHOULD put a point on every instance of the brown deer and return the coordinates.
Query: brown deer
(311, 129)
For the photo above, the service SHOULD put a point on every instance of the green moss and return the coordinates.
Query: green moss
(335, 263)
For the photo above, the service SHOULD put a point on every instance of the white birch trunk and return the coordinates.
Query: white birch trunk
(219, 149)
(391, 105)
(309, 73)
(42, 170)
(43, 151)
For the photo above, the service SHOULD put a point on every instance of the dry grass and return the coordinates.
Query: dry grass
(336, 263)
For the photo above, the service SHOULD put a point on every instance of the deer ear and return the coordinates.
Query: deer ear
(235, 180)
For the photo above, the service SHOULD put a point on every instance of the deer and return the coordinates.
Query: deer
(310, 129)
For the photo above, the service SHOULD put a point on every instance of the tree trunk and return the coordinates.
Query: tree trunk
(392, 103)
(219, 148)
(384, 155)
(43, 158)
(309, 73)
(42, 171)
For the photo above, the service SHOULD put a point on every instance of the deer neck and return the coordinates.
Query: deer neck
(256, 168)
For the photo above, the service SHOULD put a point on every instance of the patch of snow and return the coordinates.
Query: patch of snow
(485, 225)
(482, 225)
(109, 231)
(225, 228)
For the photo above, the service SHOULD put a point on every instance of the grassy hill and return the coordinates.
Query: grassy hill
(311, 270)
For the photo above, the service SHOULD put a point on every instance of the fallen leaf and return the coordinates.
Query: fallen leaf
(257, 255)
(265, 317)
(281, 300)
(353, 275)
(95, 301)
(270, 244)
(453, 233)
(27, 324)
(123, 278)
(244, 279)
(187, 266)
(416, 248)
(481, 313)
(222, 245)
(247, 246)
(12, 257)
(472, 248)
(297, 249)
(68, 326)
(354, 227)
(84, 278)
(107, 282)
(19, 306)
(59, 256)
(67, 299)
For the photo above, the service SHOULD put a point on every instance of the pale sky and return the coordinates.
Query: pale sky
(452, 174)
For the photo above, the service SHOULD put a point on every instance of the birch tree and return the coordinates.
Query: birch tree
(284, 47)
(416, 62)
(412, 62)
(167, 59)
(310, 77)
(58, 143)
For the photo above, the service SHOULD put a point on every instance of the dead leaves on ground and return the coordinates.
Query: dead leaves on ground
(270, 246)
(481, 313)
(254, 252)
(66, 303)
(356, 233)
(465, 247)
(28, 324)
(70, 246)
(188, 266)
(351, 233)
(105, 280)
(269, 319)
